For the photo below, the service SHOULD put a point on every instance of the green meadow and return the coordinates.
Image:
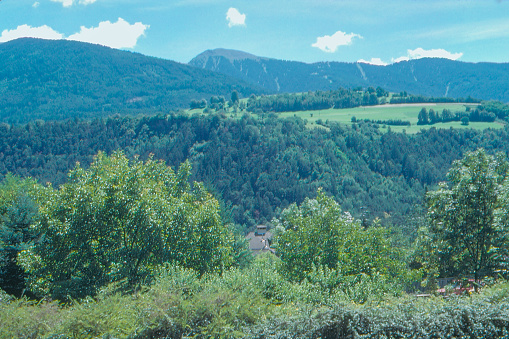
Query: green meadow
(405, 112)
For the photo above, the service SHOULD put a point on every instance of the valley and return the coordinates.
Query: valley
(129, 184)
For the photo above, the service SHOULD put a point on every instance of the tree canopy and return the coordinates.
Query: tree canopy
(318, 234)
(468, 231)
(118, 221)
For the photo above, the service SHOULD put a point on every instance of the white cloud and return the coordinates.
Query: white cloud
(65, 3)
(69, 3)
(373, 61)
(25, 31)
(36, 4)
(417, 53)
(402, 58)
(120, 34)
(330, 44)
(235, 18)
(420, 53)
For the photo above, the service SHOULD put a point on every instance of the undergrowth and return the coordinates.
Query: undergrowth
(258, 303)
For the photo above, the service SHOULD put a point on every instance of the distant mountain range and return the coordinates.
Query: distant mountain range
(56, 79)
(429, 77)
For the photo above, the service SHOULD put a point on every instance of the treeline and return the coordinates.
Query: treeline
(431, 117)
(258, 167)
(405, 98)
(345, 98)
(130, 247)
(341, 98)
(390, 122)
(500, 109)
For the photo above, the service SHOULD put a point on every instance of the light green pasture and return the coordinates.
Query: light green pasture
(405, 112)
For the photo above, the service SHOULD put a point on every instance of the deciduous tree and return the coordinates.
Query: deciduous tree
(467, 230)
(319, 234)
(118, 221)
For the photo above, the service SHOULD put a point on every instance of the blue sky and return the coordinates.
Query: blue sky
(379, 32)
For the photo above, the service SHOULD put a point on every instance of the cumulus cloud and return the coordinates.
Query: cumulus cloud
(120, 34)
(330, 44)
(69, 3)
(36, 4)
(65, 3)
(373, 61)
(25, 31)
(235, 18)
(420, 53)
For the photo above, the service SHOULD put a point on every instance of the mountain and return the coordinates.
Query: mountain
(55, 79)
(429, 77)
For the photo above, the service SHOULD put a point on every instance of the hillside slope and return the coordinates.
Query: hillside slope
(48, 79)
(429, 77)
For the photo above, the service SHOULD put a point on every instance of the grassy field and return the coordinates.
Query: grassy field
(405, 112)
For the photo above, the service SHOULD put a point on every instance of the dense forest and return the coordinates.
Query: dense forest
(60, 79)
(258, 167)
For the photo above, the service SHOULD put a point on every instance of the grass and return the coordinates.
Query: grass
(405, 112)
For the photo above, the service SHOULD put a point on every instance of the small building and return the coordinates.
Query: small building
(259, 240)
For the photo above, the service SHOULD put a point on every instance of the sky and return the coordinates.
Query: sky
(372, 31)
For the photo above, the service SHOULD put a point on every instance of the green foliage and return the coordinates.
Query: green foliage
(319, 100)
(500, 109)
(119, 220)
(319, 242)
(238, 304)
(18, 213)
(259, 167)
(467, 232)
(402, 318)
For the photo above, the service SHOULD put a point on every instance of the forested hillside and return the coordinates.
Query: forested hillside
(429, 77)
(258, 167)
(58, 79)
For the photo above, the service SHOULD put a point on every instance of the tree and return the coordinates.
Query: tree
(17, 214)
(433, 116)
(423, 117)
(467, 228)
(235, 97)
(319, 234)
(120, 220)
(446, 115)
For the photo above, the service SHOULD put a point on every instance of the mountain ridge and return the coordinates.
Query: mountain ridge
(428, 76)
(58, 79)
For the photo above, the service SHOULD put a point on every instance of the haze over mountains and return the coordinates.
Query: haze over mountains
(429, 77)
(58, 79)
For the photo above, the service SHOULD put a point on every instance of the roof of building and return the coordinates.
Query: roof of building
(259, 240)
